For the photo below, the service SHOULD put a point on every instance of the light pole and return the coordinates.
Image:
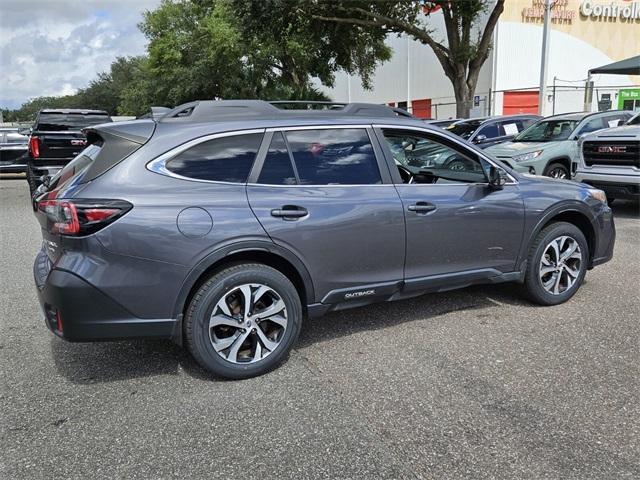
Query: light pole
(542, 96)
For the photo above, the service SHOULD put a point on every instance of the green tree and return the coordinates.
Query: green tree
(461, 54)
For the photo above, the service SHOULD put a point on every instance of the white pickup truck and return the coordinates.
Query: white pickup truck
(610, 160)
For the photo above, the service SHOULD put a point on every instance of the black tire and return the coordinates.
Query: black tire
(32, 181)
(533, 284)
(557, 167)
(196, 322)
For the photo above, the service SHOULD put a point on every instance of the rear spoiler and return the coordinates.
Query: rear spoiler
(136, 131)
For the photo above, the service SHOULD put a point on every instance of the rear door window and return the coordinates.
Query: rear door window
(491, 130)
(341, 156)
(223, 159)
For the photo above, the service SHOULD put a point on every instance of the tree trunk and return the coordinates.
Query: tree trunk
(463, 97)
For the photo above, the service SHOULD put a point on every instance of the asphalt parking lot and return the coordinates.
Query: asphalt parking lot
(469, 384)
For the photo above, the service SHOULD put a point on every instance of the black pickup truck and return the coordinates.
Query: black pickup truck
(56, 138)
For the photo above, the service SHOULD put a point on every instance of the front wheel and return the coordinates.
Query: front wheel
(557, 170)
(557, 264)
(243, 321)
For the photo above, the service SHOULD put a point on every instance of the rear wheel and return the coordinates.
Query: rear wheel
(557, 264)
(243, 321)
(557, 170)
(32, 181)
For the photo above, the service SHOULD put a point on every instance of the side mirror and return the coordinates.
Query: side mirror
(497, 177)
(45, 179)
(480, 138)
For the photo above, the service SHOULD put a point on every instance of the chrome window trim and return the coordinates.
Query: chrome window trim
(513, 181)
(158, 164)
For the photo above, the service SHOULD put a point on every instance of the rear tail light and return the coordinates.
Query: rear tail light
(34, 147)
(53, 318)
(81, 217)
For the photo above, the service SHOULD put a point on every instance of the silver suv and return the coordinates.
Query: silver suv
(610, 161)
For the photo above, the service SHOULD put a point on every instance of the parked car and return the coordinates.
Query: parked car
(489, 131)
(224, 223)
(56, 138)
(442, 123)
(13, 150)
(550, 146)
(610, 161)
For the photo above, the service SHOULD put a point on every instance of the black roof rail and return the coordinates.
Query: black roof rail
(212, 110)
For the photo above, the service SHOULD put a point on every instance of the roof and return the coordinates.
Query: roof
(629, 66)
(229, 110)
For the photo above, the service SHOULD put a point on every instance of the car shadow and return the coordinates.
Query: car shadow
(102, 362)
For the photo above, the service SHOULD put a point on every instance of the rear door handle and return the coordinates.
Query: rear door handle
(422, 207)
(289, 212)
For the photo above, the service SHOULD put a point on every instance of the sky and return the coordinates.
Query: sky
(54, 47)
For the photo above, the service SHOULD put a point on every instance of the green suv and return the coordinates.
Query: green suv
(550, 146)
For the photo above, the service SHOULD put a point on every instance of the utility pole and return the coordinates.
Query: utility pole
(409, 106)
(542, 97)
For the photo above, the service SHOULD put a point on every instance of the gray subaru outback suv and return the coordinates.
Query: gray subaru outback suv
(223, 224)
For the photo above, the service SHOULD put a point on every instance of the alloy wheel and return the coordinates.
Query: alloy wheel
(560, 265)
(248, 323)
(558, 172)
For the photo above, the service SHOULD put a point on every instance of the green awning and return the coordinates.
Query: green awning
(629, 66)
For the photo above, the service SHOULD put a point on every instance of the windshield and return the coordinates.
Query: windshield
(634, 120)
(548, 131)
(464, 129)
(50, 122)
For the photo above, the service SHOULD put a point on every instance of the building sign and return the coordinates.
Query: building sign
(559, 11)
(629, 99)
(625, 10)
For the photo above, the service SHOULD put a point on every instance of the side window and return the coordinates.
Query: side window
(491, 130)
(527, 122)
(592, 126)
(422, 159)
(277, 168)
(224, 159)
(341, 156)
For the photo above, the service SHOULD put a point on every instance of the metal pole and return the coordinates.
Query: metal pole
(542, 97)
(553, 111)
(588, 93)
(489, 104)
(409, 106)
(349, 88)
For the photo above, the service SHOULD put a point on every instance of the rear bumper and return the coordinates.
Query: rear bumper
(77, 311)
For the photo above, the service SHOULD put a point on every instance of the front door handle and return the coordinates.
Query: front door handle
(289, 212)
(422, 207)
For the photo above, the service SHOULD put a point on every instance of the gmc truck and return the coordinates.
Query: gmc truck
(56, 138)
(610, 160)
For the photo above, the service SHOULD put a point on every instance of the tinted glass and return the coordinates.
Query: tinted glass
(76, 167)
(334, 157)
(490, 131)
(277, 168)
(50, 122)
(421, 159)
(226, 159)
(592, 126)
(464, 129)
(548, 131)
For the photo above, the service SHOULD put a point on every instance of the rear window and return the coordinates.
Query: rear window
(54, 122)
(464, 129)
(225, 159)
(76, 167)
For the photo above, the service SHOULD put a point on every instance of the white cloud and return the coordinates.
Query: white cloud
(54, 47)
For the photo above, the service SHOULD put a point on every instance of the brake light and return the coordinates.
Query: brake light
(80, 217)
(34, 147)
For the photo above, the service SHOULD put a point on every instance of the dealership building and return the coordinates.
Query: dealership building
(585, 34)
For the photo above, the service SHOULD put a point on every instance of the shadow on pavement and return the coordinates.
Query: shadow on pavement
(100, 362)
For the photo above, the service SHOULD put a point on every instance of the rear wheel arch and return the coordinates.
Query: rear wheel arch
(250, 252)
